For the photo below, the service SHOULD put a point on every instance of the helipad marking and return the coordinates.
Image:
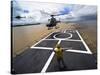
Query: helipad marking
(59, 41)
(67, 49)
(42, 48)
(62, 38)
(78, 51)
(65, 40)
(88, 50)
(48, 48)
(41, 40)
(36, 43)
(49, 60)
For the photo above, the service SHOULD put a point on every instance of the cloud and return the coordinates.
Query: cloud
(84, 10)
(40, 12)
(82, 13)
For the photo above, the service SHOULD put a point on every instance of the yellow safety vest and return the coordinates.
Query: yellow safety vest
(59, 52)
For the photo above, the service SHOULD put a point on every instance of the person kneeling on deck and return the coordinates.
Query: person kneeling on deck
(59, 54)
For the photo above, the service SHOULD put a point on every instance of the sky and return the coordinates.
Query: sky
(37, 12)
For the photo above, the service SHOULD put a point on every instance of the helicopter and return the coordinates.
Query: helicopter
(52, 21)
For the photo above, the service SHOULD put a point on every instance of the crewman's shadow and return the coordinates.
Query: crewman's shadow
(62, 67)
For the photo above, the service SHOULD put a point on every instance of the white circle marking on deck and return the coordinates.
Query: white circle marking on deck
(62, 38)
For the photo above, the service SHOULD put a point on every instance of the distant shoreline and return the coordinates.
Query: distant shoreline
(92, 22)
(24, 25)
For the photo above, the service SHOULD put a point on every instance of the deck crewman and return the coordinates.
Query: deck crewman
(59, 55)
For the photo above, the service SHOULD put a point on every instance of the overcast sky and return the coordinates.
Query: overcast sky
(40, 12)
